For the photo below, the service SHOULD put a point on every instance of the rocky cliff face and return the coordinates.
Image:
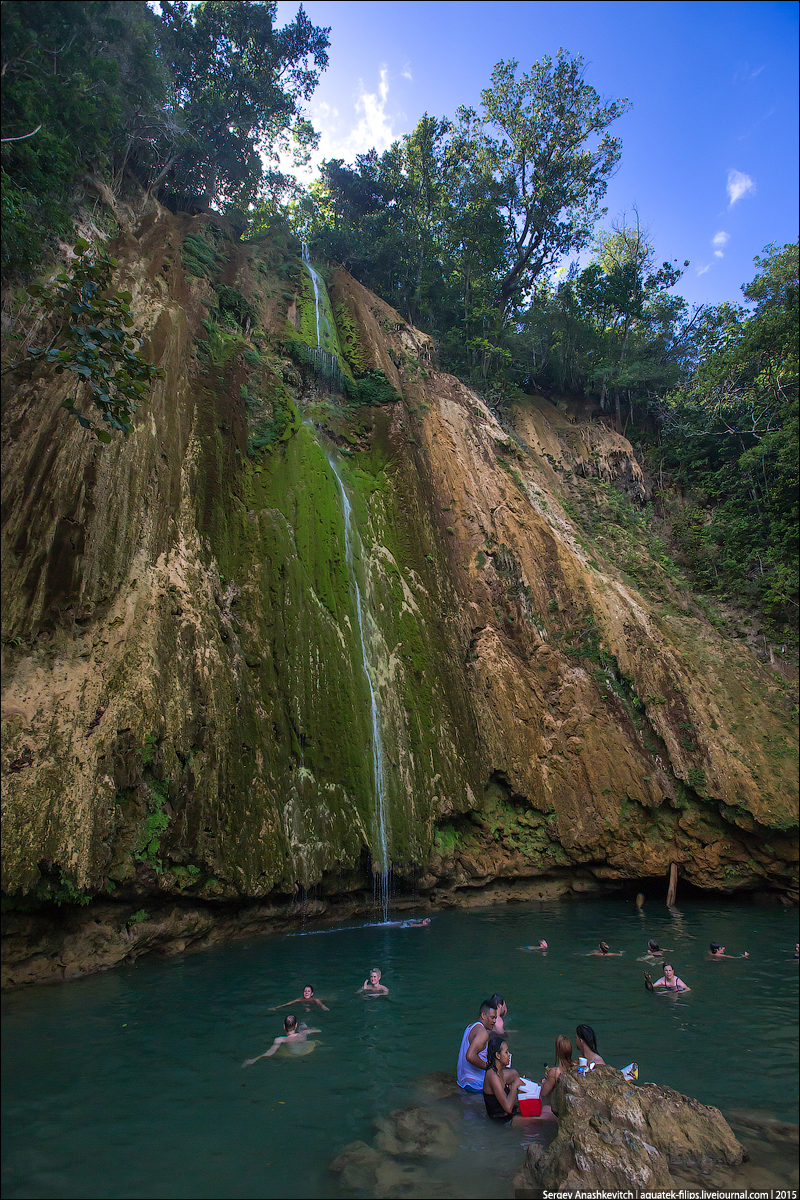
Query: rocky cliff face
(185, 703)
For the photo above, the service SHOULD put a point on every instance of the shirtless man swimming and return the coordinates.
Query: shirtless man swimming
(471, 1066)
(294, 1034)
(373, 986)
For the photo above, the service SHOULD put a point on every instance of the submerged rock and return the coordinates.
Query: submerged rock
(380, 1169)
(615, 1135)
(415, 1132)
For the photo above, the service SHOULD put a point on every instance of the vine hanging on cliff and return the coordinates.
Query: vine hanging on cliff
(94, 340)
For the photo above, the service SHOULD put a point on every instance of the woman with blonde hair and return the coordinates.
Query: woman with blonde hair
(563, 1063)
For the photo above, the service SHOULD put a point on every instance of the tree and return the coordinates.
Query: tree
(538, 141)
(236, 93)
(730, 433)
(626, 300)
(79, 81)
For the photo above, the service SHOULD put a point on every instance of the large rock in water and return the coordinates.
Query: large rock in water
(617, 1135)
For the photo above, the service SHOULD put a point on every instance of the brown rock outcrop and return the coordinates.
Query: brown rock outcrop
(618, 1136)
(185, 706)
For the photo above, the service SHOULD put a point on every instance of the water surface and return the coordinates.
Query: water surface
(130, 1084)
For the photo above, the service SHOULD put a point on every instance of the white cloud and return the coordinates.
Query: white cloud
(374, 126)
(406, 72)
(344, 134)
(719, 239)
(702, 270)
(739, 185)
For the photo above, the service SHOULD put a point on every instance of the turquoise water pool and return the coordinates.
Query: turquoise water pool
(130, 1084)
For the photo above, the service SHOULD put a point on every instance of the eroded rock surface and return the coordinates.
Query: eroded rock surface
(185, 709)
(616, 1135)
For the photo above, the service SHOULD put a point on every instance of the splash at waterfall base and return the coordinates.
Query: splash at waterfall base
(187, 721)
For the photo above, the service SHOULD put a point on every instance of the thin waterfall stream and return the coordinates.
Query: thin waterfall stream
(380, 847)
(323, 356)
(328, 365)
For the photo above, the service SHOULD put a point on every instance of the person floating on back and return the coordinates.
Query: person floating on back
(542, 946)
(718, 951)
(471, 1063)
(295, 1035)
(372, 986)
(603, 951)
(307, 998)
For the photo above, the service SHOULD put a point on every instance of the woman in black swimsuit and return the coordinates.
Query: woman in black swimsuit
(500, 1082)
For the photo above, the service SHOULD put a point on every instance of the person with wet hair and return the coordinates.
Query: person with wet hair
(563, 1063)
(542, 946)
(603, 951)
(586, 1042)
(372, 985)
(654, 952)
(500, 1081)
(670, 982)
(308, 998)
(501, 1008)
(717, 950)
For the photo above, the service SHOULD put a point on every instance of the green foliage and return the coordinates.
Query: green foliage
(81, 82)
(729, 436)
(141, 915)
(235, 97)
(234, 307)
(94, 341)
(696, 779)
(271, 421)
(149, 748)
(371, 388)
(199, 253)
(148, 840)
(221, 344)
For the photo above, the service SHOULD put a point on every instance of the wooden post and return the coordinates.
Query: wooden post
(673, 884)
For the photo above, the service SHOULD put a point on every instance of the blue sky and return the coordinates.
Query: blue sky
(709, 146)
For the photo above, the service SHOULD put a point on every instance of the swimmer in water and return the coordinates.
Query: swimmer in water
(294, 1036)
(670, 982)
(542, 946)
(501, 1008)
(415, 924)
(603, 951)
(372, 986)
(718, 951)
(307, 998)
(654, 953)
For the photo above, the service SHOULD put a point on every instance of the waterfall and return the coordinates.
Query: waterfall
(380, 849)
(315, 279)
(323, 357)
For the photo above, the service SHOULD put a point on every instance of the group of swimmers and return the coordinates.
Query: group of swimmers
(484, 1056)
(669, 981)
(295, 1034)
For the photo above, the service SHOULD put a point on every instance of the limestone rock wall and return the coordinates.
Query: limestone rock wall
(185, 710)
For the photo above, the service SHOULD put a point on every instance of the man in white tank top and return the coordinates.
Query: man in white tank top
(472, 1052)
